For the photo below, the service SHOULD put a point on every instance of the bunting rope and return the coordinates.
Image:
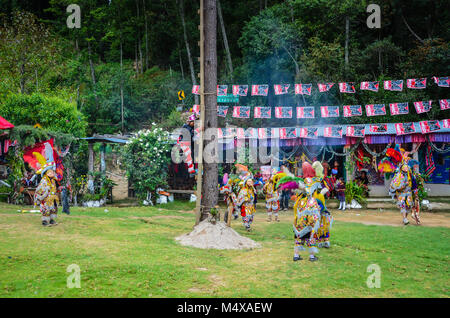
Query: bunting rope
(374, 154)
(435, 148)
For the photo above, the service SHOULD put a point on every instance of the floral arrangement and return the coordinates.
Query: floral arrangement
(146, 157)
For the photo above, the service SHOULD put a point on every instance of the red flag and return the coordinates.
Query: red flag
(222, 90)
(263, 112)
(196, 109)
(219, 133)
(196, 89)
(446, 123)
(309, 132)
(283, 112)
(352, 110)
(241, 111)
(240, 90)
(442, 81)
(429, 126)
(281, 89)
(405, 128)
(303, 89)
(333, 131)
(325, 87)
(423, 107)
(417, 83)
(444, 103)
(370, 86)
(378, 128)
(393, 85)
(329, 111)
(39, 147)
(375, 109)
(305, 112)
(288, 133)
(347, 87)
(260, 90)
(399, 108)
(355, 131)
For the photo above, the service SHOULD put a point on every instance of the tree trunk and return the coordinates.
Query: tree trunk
(191, 64)
(22, 78)
(347, 29)
(209, 187)
(91, 65)
(181, 63)
(225, 39)
(121, 84)
(146, 37)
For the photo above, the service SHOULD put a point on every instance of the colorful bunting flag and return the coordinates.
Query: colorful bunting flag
(281, 89)
(348, 87)
(393, 85)
(219, 133)
(325, 87)
(264, 133)
(288, 133)
(222, 90)
(222, 111)
(329, 111)
(240, 133)
(442, 81)
(309, 132)
(260, 90)
(416, 83)
(305, 112)
(404, 128)
(196, 89)
(263, 112)
(446, 123)
(370, 86)
(428, 126)
(303, 89)
(429, 161)
(196, 109)
(352, 110)
(423, 107)
(444, 103)
(355, 131)
(283, 112)
(399, 108)
(378, 128)
(375, 109)
(241, 111)
(333, 131)
(240, 90)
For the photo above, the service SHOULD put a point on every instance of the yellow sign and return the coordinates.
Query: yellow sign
(37, 125)
(181, 95)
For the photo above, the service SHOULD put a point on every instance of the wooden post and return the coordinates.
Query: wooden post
(198, 208)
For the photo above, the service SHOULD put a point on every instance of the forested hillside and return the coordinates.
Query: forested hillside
(136, 54)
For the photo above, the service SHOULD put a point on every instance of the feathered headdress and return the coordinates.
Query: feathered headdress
(41, 157)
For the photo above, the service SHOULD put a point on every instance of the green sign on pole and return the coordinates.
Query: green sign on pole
(230, 98)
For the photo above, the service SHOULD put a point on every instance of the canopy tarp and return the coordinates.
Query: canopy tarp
(4, 124)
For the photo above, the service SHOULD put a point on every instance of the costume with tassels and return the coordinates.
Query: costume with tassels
(272, 198)
(246, 201)
(46, 193)
(403, 186)
(228, 190)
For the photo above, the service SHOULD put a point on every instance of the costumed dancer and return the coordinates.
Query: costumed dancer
(231, 199)
(246, 201)
(403, 186)
(272, 198)
(46, 192)
(326, 220)
(340, 192)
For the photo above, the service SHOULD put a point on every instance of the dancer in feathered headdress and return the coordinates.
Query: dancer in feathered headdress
(272, 197)
(246, 201)
(403, 186)
(46, 192)
(230, 198)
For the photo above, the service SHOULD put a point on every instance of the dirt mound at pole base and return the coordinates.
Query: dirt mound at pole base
(218, 236)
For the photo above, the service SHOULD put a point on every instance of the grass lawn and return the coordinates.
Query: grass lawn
(131, 252)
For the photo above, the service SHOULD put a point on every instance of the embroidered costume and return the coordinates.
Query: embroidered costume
(272, 199)
(230, 198)
(246, 201)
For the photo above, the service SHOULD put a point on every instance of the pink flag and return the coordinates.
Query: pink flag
(240, 133)
(370, 86)
(375, 109)
(352, 110)
(429, 126)
(417, 83)
(347, 87)
(442, 81)
(305, 112)
(378, 128)
(303, 89)
(399, 108)
(240, 90)
(329, 111)
(393, 85)
(260, 90)
(288, 133)
(196, 89)
(241, 111)
(281, 89)
(446, 123)
(423, 107)
(222, 90)
(355, 131)
(333, 131)
(444, 103)
(309, 132)
(283, 112)
(196, 109)
(405, 128)
(263, 112)
(325, 87)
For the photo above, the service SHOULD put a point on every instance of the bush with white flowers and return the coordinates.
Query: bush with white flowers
(146, 157)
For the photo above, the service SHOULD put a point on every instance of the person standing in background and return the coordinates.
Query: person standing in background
(285, 194)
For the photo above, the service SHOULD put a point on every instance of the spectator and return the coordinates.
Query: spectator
(340, 190)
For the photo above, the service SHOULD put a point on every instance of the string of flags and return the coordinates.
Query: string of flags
(344, 87)
(336, 131)
(306, 112)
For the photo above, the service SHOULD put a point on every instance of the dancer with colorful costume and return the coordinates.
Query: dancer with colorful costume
(246, 201)
(230, 198)
(46, 193)
(403, 187)
(272, 198)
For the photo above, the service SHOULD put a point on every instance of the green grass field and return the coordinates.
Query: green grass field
(131, 252)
